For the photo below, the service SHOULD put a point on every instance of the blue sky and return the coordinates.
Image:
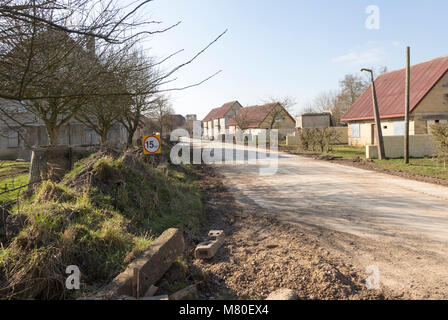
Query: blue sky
(288, 47)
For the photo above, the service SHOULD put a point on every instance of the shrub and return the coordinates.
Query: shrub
(440, 133)
(318, 139)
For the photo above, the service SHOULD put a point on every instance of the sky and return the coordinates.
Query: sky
(288, 48)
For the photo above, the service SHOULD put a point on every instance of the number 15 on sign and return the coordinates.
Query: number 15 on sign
(151, 144)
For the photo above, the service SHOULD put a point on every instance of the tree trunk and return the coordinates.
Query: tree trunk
(52, 134)
(104, 138)
(131, 133)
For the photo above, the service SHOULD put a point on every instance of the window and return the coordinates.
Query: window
(399, 128)
(356, 130)
(437, 121)
(13, 139)
(385, 127)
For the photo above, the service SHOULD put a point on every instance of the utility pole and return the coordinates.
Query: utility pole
(376, 112)
(407, 105)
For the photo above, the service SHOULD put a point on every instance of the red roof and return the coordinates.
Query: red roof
(390, 90)
(221, 112)
(255, 115)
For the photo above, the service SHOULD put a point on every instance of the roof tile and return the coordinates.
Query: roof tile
(219, 112)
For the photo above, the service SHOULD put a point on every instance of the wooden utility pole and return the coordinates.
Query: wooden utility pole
(407, 105)
(379, 131)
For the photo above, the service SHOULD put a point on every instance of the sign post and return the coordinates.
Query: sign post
(151, 144)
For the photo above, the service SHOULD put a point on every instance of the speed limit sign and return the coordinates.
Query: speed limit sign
(151, 144)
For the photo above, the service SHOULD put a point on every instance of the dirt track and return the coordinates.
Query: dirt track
(362, 217)
(261, 255)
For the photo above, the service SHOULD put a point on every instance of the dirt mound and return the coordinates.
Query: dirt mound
(92, 171)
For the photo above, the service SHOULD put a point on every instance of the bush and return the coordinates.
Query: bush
(318, 139)
(440, 133)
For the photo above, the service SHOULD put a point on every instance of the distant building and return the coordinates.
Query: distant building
(176, 121)
(314, 120)
(217, 121)
(254, 119)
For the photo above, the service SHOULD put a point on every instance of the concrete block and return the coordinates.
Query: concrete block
(283, 294)
(151, 291)
(152, 266)
(208, 249)
(164, 297)
(182, 294)
(216, 234)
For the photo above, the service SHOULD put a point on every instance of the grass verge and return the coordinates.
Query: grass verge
(427, 167)
(104, 214)
(12, 175)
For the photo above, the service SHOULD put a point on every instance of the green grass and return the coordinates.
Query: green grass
(421, 166)
(100, 227)
(348, 152)
(12, 175)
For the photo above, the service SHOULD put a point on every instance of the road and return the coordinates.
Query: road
(366, 217)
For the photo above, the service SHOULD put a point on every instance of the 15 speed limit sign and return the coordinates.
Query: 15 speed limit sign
(151, 144)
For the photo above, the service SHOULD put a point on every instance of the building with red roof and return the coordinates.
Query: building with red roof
(216, 122)
(261, 117)
(428, 103)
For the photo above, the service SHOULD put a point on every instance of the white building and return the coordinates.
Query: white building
(217, 121)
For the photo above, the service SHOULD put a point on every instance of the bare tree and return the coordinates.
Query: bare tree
(351, 88)
(58, 79)
(100, 19)
(324, 101)
(287, 102)
(277, 113)
(242, 119)
(139, 74)
(161, 113)
(53, 65)
(281, 107)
